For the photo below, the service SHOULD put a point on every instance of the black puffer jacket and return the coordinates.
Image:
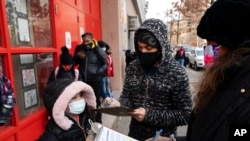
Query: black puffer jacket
(76, 133)
(56, 97)
(165, 95)
(94, 65)
(61, 73)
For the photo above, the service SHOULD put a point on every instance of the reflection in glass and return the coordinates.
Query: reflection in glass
(29, 97)
(29, 23)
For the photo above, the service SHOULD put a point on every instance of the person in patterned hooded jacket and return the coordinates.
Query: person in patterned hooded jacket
(156, 86)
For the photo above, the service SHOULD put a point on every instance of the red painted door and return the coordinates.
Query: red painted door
(66, 24)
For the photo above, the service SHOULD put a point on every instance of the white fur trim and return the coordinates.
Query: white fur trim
(62, 102)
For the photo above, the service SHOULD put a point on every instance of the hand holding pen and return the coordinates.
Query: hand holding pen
(157, 134)
(158, 137)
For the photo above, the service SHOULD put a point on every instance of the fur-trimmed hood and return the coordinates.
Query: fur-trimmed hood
(57, 95)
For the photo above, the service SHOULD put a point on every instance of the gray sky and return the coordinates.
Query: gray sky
(157, 8)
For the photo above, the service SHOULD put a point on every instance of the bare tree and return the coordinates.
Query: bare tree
(189, 11)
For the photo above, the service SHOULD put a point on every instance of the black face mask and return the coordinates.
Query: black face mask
(148, 60)
(88, 46)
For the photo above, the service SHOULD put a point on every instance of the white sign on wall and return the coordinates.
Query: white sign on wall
(68, 39)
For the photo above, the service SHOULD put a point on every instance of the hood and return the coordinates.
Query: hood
(57, 95)
(159, 30)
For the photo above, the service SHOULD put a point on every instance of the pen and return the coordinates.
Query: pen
(157, 134)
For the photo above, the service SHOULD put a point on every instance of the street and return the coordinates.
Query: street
(121, 124)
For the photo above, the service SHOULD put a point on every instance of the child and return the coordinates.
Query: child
(66, 68)
(64, 100)
(106, 86)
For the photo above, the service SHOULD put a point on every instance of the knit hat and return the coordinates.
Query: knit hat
(57, 95)
(65, 57)
(147, 37)
(227, 23)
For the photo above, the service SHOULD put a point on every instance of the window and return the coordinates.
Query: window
(29, 23)
(31, 72)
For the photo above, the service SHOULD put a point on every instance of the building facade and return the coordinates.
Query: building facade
(32, 33)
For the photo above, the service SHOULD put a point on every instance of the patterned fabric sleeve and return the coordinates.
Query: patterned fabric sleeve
(124, 99)
(181, 104)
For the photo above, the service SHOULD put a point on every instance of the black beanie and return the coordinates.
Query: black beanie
(147, 37)
(226, 22)
(65, 57)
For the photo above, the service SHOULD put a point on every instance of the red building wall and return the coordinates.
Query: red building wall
(66, 16)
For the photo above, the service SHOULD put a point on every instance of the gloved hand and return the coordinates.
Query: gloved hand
(110, 102)
(92, 115)
(81, 55)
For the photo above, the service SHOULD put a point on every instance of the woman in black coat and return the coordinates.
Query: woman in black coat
(223, 100)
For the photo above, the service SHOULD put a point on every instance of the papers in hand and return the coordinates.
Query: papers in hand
(116, 111)
(107, 134)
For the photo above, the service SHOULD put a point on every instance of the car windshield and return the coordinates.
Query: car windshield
(187, 49)
(200, 53)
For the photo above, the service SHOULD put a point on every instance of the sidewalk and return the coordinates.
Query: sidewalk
(109, 120)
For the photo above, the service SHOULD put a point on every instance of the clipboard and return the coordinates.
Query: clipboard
(115, 111)
(105, 134)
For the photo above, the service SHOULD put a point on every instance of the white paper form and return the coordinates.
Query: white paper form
(107, 134)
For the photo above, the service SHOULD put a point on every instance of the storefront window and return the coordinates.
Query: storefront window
(31, 72)
(29, 23)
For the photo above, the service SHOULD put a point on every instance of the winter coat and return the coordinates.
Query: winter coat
(165, 94)
(61, 73)
(77, 132)
(56, 96)
(94, 65)
(228, 108)
(110, 68)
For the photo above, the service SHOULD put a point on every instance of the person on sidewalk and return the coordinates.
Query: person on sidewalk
(92, 61)
(180, 55)
(156, 86)
(64, 100)
(106, 85)
(129, 57)
(66, 67)
(222, 103)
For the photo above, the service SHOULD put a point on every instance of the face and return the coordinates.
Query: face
(86, 40)
(79, 96)
(67, 67)
(109, 51)
(222, 50)
(144, 48)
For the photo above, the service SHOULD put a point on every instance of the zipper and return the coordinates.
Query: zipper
(83, 130)
(75, 122)
(86, 67)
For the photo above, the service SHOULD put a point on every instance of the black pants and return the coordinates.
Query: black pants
(97, 87)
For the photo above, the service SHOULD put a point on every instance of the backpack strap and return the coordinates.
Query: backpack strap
(56, 71)
(76, 73)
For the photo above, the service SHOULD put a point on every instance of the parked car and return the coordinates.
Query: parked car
(196, 58)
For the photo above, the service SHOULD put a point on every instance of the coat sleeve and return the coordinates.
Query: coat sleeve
(181, 103)
(76, 57)
(103, 61)
(47, 136)
(125, 99)
(51, 76)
